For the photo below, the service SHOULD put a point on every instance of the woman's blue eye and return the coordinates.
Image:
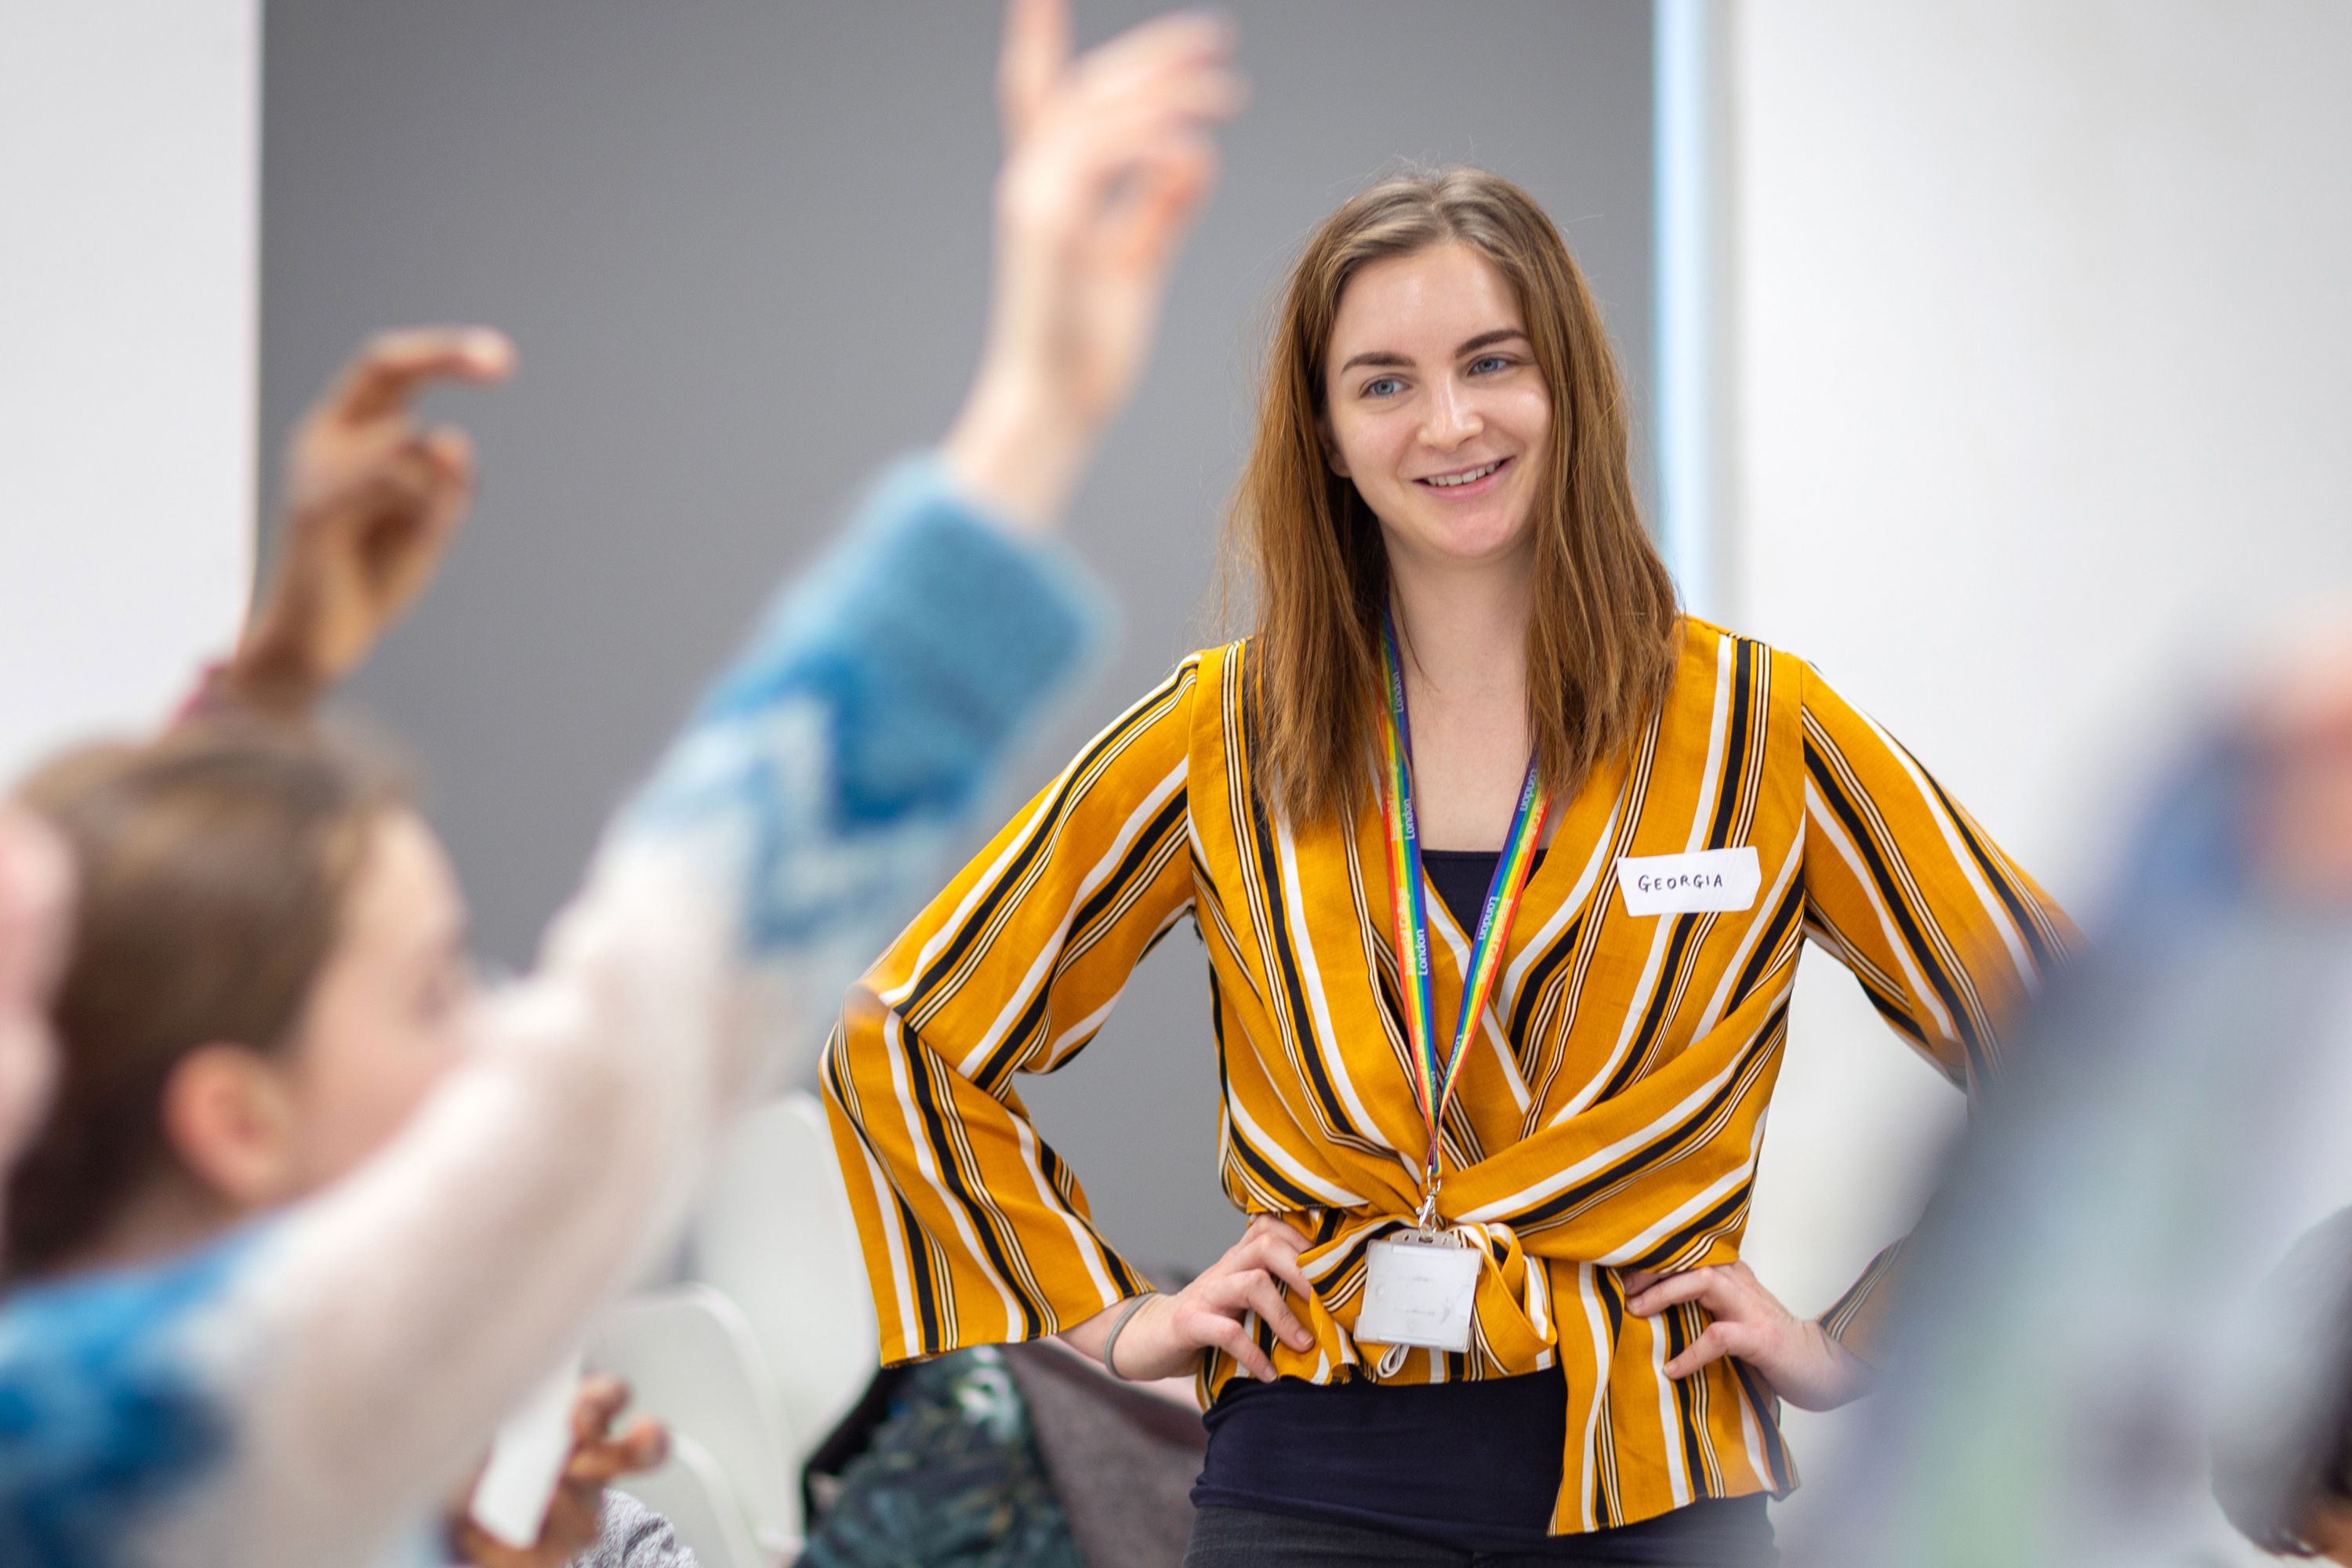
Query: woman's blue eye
(1496, 363)
(1382, 386)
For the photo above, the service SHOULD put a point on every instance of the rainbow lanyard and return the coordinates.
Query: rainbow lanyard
(1435, 1077)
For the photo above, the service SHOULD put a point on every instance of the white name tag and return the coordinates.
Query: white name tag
(1418, 1290)
(1681, 884)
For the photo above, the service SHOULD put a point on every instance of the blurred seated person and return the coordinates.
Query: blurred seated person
(309, 1214)
(200, 925)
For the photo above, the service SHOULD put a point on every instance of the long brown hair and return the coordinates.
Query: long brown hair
(1601, 637)
(212, 866)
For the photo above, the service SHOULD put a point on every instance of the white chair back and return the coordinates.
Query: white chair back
(692, 1360)
(774, 1234)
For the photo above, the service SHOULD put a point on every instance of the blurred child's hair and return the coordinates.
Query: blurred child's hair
(213, 865)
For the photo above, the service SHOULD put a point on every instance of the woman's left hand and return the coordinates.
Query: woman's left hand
(1797, 1356)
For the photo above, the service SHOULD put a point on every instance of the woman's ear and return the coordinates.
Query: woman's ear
(228, 1119)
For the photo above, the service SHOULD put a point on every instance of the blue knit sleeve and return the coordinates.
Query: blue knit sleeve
(874, 701)
(106, 1415)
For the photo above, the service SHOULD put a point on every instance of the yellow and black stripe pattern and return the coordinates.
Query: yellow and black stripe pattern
(1609, 1118)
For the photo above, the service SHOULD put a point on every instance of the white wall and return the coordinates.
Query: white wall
(2041, 367)
(129, 153)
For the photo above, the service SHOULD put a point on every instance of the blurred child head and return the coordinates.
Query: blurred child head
(267, 974)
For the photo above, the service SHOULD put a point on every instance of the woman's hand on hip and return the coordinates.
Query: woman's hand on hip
(1804, 1365)
(1107, 161)
(1168, 1333)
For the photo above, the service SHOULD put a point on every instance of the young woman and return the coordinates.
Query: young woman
(1471, 734)
(178, 1388)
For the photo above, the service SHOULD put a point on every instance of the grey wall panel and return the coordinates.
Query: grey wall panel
(743, 248)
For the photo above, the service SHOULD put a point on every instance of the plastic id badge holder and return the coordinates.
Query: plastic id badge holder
(1419, 1290)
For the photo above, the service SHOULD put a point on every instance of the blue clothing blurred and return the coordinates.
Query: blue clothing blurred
(826, 769)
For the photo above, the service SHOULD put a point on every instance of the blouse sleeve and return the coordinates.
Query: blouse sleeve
(974, 1231)
(1946, 935)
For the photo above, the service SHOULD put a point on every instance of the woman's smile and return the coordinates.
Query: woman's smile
(1460, 484)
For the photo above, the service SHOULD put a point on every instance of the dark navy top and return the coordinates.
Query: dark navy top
(1473, 1465)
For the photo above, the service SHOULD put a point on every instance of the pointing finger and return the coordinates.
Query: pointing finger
(1036, 52)
(393, 366)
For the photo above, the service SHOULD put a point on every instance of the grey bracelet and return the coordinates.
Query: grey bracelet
(1110, 1341)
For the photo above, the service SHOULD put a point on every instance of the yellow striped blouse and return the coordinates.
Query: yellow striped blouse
(1611, 1120)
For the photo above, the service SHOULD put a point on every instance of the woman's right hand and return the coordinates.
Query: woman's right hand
(1168, 1333)
(1108, 161)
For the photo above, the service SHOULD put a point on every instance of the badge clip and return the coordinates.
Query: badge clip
(1426, 1220)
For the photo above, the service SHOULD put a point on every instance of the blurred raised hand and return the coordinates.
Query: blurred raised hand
(370, 502)
(1108, 160)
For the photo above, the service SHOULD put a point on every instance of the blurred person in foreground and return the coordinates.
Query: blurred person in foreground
(473, 1175)
(241, 882)
(372, 502)
(2067, 1386)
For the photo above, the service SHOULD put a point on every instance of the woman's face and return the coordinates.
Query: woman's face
(1436, 407)
(387, 1015)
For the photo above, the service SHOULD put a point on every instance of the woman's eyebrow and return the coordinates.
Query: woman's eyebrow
(1488, 340)
(1389, 359)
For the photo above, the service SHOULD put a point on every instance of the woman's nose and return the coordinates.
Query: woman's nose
(1452, 419)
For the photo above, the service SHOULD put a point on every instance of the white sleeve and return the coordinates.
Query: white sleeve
(398, 1317)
